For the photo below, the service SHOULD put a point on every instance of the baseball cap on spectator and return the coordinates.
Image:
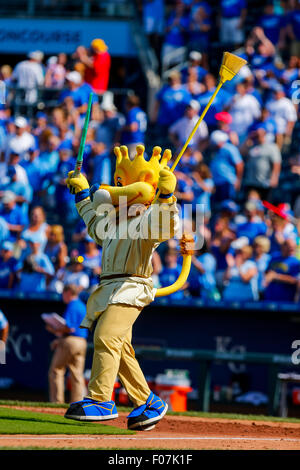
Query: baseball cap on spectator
(195, 55)
(277, 88)
(99, 45)
(8, 197)
(239, 243)
(223, 116)
(20, 122)
(41, 115)
(7, 246)
(52, 60)
(74, 77)
(194, 104)
(229, 206)
(218, 137)
(65, 145)
(36, 55)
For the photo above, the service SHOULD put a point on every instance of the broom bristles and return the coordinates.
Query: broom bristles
(231, 65)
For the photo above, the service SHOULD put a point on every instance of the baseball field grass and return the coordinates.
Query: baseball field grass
(14, 421)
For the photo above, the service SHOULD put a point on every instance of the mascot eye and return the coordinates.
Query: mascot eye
(119, 183)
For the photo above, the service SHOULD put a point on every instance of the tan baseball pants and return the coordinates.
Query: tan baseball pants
(70, 353)
(114, 355)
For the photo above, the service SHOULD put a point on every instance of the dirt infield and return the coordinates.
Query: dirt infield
(174, 432)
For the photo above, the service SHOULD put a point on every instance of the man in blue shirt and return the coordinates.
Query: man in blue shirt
(271, 23)
(8, 266)
(64, 200)
(133, 132)
(69, 349)
(77, 91)
(13, 215)
(233, 15)
(170, 274)
(282, 274)
(226, 166)
(253, 226)
(171, 102)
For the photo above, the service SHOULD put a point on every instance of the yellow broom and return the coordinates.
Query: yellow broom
(231, 65)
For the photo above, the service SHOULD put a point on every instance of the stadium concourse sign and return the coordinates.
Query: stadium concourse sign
(52, 36)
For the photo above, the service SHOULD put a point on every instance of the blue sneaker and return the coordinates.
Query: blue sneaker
(92, 410)
(146, 416)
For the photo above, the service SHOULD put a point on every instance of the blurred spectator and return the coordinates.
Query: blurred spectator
(29, 75)
(202, 280)
(241, 276)
(244, 109)
(97, 65)
(253, 226)
(4, 328)
(199, 30)
(282, 110)
(22, 191)
(72, 274)
(293, 29)
(181, 129)
(21, 141)
(233, 15)
(133, 132)
(226, 167)
(171, 102)
(203, 188)
(221, 101)
(36, 270)
(263, 164)
(153, 20)
(170, 272)
(92, 260)
(282, 274)
(220, 245)
(265, 121)
(65, 206)
(272, 23)
(281, 230)
(56, 249)
(195, 65)
(55, 71)
(76, 96)
(261, 256)
(223, 121)
(13, 215)
(113, 121)
(175, 34)
(8, 266)
(38, 229)
(69, 350)
(192, 85)
(100, 168)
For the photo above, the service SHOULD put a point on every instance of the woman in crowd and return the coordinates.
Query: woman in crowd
(261, 248)
(56, 249)
(241, 276)
(38, 229)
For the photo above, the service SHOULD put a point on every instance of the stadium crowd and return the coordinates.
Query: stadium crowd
(240, 156)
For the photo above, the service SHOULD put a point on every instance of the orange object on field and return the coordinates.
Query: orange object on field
(174, 395)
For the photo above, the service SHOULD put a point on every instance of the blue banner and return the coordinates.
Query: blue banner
(53, 36)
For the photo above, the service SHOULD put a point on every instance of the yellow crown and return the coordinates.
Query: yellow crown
(138, 169)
